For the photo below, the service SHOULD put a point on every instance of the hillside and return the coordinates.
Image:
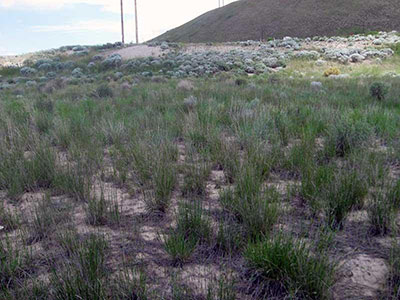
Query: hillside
(244, 170)
(262, 19)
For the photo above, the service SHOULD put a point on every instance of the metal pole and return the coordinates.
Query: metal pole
(122, 23)
(136, 23)
(219, 3)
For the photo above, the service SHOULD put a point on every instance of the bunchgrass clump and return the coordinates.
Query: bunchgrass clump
(288, 266)
(222, 288)
(9, 220)
(381, 212)
(229, 238)
(192, 229)
(96, 211)
(345, 192)
(315, 179)
(379, 90)
(179, 246)
(345, 136)
(278, 155)
(192, 222)
(195, 180)
(253, 206)
(130, 284)
(84, 273)
(20, 173)
(15, 263)
(47, 216)
(164, 181)
(104, 91)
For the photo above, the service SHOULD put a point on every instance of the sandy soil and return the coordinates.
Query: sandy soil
(14, 60)
(137, 51)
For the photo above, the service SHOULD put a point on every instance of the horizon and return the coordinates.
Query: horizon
(37, 25)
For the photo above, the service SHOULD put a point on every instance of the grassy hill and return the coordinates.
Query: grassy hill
(131, 179)
(261, 19)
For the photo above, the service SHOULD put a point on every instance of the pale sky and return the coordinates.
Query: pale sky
(32, 25)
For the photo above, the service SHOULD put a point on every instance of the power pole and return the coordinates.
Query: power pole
(219, 3)
(122, 22)
(136, 23)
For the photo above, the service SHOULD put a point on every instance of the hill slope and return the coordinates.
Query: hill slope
(260, 19)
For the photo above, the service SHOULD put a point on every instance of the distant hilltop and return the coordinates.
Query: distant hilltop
(264, 19)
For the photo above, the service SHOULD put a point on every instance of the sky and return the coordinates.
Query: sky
(32, 25)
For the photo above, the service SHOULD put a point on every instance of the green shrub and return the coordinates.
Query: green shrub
(290, 265)
(379, 90)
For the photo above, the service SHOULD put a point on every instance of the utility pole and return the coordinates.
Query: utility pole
(136, 23)
(219, 3)
(122, 22)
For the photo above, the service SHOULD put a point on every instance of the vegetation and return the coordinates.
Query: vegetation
(379, 90)
(288, 266)
(257, 191)
(331, 71)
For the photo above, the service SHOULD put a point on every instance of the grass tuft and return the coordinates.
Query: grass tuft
(288, 265)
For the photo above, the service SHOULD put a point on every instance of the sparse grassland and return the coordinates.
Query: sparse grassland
(262, 188)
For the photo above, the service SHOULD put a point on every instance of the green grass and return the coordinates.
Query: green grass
(15, 264)
(88, 180)
(291, 267)
(164, 181)
(82, 276)
(344, 193)
(179, 247)
(255, 208)
(9, 71)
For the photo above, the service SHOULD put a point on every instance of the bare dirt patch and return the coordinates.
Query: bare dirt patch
(362, 276)
(138, 51)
